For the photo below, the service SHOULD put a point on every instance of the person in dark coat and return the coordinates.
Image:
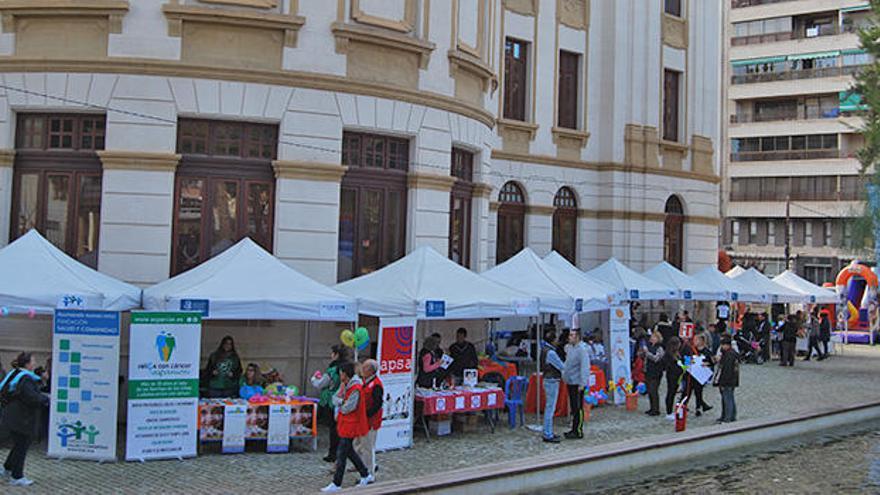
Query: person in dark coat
(21, 399)
(789, 340)
(463, 354)
(653, 352)
(727, 379)
(664, 326)
(673, 373)
(824, 333)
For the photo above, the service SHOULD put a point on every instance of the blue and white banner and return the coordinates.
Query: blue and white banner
(85, 369)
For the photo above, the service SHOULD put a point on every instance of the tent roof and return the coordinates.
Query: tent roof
(689, 287)
(758, 281)
(246, 282)
(405, 286)
(813, 292)
(736, 291)
(733, 272)
(633, 284)
(557, 289)
(558, 261)
(36, 275)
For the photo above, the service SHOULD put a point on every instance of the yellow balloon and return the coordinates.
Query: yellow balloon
(347, 338)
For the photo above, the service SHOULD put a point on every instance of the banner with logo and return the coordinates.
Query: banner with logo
(85, 357)
(234, 417)
(620, 356)
(278, 438)
(396, 356)
(163, 385)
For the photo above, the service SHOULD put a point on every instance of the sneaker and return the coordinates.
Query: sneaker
(332, 487)
(21, 482)
(329, 458)
(670, 417)
(707, 408)
(571, 435)
(699, 413)
(366, 480)
(553, 439)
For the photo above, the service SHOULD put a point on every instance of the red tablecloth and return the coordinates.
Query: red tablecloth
(460, 400)
(597, 382)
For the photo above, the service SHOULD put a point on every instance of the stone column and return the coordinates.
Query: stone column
(7, 157)
(480, 227)
(428, 211)
(307, 216)
(137, 206)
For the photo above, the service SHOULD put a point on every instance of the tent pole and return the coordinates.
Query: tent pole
(355, 345)
(305, 357)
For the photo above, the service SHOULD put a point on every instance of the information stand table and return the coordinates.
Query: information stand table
(303, 419)
(458, 400)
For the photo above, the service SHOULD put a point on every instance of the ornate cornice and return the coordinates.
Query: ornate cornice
(316, 171)
(139, 160)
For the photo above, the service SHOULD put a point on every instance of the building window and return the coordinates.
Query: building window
(460, 208)
(569, 64)
(673, 232)
(565, 217)
(57, 181)
(771, 232)
(847, 234)
(673, 7)
(826, 233)
(818, 274)
(753, 232)
(515, 79)
(224, 188)
(808, 233)
(511, 222)
(671, 92)
(372, 216)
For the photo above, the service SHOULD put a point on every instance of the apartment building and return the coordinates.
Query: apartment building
(792, 134)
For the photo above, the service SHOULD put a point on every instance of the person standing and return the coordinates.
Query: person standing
(551, 372)
(789, 341)
(813, 335)
(665, 327)
(373, 393)
(727, 379)
(824, 333)
(762, 335)
(224, 370)
(673, 373)
(702, 349)
(576, 375)
(328, 386)
(20, 399)
(654, 352)
(351, 423)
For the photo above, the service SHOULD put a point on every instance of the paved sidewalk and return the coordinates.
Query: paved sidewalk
(767, 391)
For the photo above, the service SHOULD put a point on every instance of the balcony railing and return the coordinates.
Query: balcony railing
(761, 38)
(736, 4)
(812, 114)
(794, 75)
(767, 156)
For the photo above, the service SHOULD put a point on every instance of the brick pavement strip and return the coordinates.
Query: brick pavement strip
(767, 391)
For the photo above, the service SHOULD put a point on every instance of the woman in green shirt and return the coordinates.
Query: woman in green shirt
(338, 355)
(224, 370)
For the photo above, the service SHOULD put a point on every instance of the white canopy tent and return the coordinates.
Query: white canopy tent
(246, 282)
(37, 275)
(407, 286)
(735, 291)
(690, 288)
(559, 262)
(558, 290)
(733, 272)
(813, 293)
(634, 285)
(777, 293)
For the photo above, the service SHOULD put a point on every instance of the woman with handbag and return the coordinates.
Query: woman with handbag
(21, 398)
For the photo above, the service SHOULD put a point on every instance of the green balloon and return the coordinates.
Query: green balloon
(361, 336)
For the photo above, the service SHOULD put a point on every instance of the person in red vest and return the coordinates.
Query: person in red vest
(351, 423)
(373, 393)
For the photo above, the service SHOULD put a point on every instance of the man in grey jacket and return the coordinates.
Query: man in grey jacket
(576, 375)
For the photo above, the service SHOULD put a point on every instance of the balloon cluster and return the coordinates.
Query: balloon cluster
(591, 399)
(360, 338)
(642, 388)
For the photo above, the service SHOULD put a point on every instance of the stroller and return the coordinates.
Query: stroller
(749, 349)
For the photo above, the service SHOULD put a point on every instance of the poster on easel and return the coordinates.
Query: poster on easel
(620, 351)
(234, 416)
(83, 403)
(163, 385)
(396, 357)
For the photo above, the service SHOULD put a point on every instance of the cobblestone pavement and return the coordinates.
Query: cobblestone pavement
(767, 391)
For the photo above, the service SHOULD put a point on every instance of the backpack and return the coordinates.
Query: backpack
(7, 395)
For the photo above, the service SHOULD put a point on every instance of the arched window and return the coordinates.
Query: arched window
(673, 232)
(565, 216)
(511, 222)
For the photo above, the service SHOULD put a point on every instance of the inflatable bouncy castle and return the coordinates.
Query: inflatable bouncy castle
(857, 285)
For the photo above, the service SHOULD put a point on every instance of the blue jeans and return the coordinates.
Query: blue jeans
(728, 404)
(551, 393)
